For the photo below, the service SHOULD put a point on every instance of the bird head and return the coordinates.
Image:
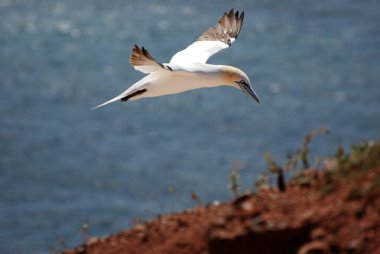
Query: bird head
(241, 81)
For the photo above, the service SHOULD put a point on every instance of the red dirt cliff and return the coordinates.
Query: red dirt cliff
(335, 210)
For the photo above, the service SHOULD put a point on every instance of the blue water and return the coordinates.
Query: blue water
(313, 64)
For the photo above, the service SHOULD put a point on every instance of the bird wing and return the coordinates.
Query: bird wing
(142, 61)
(215, 39)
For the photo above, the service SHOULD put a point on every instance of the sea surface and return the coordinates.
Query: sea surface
(62, 165)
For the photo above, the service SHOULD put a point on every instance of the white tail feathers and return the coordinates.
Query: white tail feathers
(117, 98)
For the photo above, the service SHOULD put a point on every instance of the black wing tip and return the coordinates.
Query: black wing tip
(143, 50)
(227, 27)
(239, 16)
(133, 95)
(233, 13)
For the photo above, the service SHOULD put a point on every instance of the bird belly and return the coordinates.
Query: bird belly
(180, 82)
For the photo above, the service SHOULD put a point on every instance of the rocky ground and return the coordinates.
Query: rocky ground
(333, 210)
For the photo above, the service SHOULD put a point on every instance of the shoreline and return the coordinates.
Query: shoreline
(334, 210)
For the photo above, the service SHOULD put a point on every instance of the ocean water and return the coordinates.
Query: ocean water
(313, 64)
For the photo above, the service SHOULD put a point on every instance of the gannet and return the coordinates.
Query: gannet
(188, 69)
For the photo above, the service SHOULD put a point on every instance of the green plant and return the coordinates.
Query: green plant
(234, 178)
(85, 229)
(304, 152)
(61, 245)
(262, 182)
(291, 163)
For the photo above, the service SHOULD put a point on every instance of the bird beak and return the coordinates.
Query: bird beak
(246, 88)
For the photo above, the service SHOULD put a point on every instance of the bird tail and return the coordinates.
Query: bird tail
(124, 96)
(134, 90)
(119, 97)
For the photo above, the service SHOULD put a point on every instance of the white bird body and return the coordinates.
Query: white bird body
(181, 80)
(188, 69)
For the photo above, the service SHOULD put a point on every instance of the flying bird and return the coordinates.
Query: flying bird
(188, 69)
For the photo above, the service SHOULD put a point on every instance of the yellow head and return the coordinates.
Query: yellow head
(238, 79)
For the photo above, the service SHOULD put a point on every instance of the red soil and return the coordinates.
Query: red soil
(319, 217)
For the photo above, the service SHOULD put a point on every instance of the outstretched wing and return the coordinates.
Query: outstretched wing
(142, 61)
(215, 39)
